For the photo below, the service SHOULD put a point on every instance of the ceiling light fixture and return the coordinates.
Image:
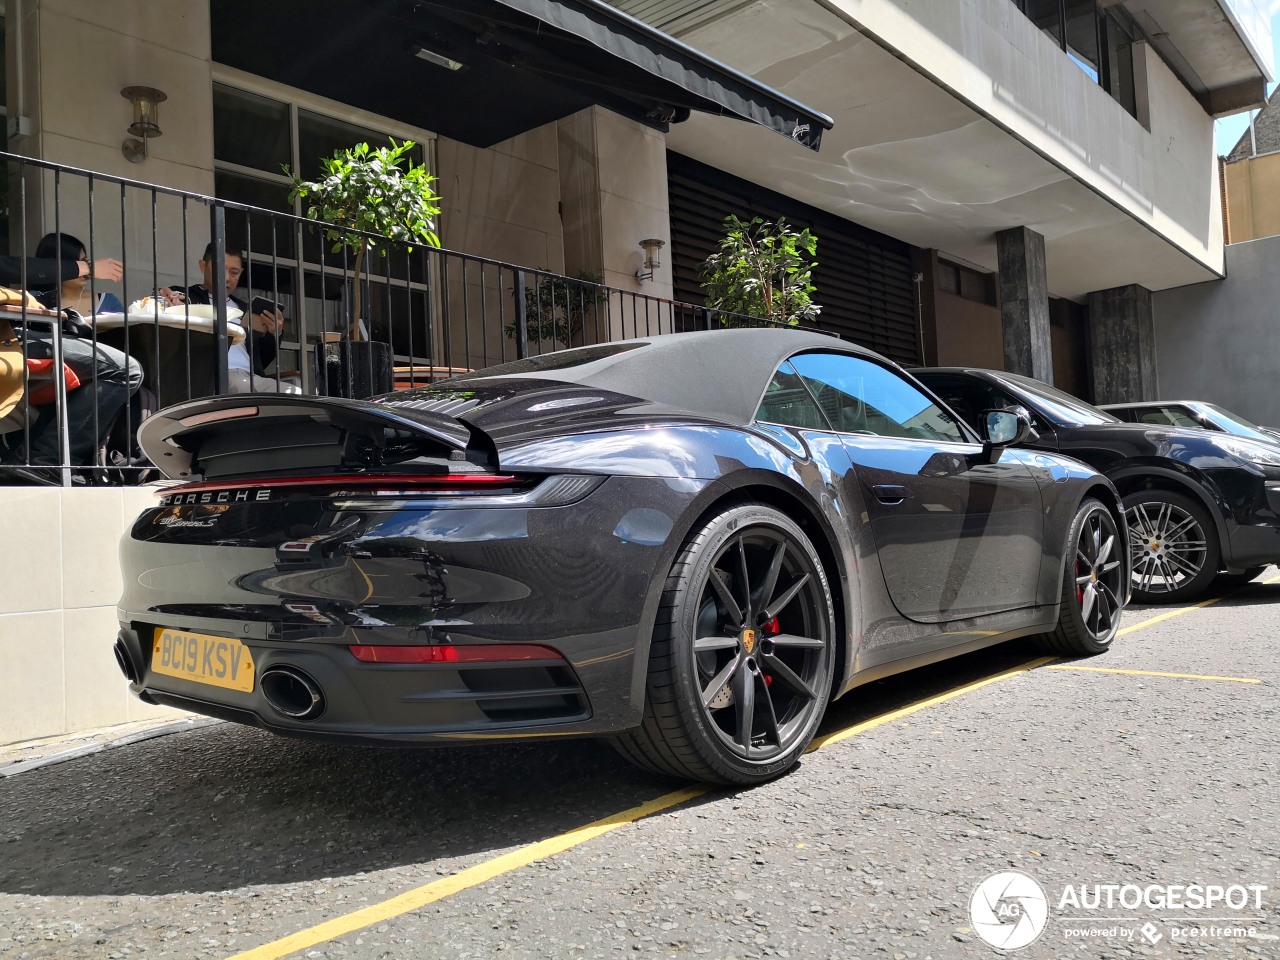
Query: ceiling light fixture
(431, 56)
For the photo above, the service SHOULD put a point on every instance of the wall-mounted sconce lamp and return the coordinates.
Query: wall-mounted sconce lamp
(146, 101)
(652, 261)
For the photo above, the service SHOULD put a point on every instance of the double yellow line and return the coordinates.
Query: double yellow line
(531, 853)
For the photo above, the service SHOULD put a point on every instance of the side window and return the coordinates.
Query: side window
(786, 401)
(968, 398)
(1159, 416)
(859, 396)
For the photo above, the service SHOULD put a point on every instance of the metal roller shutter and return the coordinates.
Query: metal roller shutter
(863, 278)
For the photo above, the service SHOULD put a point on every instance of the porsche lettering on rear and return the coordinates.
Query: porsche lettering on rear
(215, 496)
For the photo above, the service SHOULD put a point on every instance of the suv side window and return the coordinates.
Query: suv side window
(859, 396)
(968, 397)
(1167, 416)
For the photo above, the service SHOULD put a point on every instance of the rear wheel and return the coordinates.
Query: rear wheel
(1092, 584)
(1173, 546)
(740, 669)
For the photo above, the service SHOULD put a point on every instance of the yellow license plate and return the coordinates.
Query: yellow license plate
(218, 661)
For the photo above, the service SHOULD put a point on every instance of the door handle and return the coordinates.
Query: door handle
(892, 493)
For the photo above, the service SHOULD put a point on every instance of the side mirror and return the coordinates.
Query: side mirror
(1004, 428)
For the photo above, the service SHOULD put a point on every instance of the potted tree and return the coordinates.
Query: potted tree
(364, 195)
(762, 270)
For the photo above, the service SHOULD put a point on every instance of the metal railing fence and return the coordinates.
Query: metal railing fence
(427, 313)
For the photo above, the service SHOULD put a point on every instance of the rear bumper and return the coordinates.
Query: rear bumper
(583, 580)
(382, 701)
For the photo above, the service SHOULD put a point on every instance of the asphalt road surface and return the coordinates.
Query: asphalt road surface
(1144, 808)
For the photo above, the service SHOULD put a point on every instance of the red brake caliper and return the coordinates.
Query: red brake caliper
(771, 628)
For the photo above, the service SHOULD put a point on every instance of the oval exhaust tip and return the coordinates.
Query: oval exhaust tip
(292, 693)
(124, 661)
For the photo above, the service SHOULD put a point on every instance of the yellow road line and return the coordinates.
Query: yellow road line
(1181, 610)
(1167, 616)
(530, 853)
(470, 877)
(1154, 673)
(882, 719)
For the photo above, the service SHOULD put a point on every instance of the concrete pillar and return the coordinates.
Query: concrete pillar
(1122, 345)
(1024, 303)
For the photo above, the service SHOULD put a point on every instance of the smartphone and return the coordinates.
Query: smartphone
(264, 305)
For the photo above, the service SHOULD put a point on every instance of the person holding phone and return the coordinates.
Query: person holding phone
(247, 362)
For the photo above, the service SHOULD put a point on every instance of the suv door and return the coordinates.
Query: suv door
(957, 536)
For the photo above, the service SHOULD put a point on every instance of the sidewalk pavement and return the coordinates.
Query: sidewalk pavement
(26, 755)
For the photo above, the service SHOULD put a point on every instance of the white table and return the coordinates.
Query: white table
(175, 318)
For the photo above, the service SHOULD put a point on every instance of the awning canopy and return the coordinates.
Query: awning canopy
(482, 71)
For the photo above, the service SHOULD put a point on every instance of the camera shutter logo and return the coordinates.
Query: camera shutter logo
(1008, 910)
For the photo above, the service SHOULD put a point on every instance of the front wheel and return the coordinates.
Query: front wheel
(1173, 546)
(743, 653)
(1092, 584)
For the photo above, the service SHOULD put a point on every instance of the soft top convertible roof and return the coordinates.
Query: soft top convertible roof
(719, 374)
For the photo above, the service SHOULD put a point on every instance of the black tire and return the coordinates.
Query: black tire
(1226, 581)
(1093, 585)
(1173, 546)
(740, 669)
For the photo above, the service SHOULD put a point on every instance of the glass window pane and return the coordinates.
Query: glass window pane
(1047, 15)
(969, 398)
(786, 401)
(859, 396)
(250, 130)
(319, 137)
(1120, 64)
(1082, 36)
(264, 234)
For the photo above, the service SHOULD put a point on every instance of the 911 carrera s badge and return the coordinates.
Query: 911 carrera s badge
(748, 639)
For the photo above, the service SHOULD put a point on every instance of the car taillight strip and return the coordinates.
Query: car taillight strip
(395, 483)
(453, 653)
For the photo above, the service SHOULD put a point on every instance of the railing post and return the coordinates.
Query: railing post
(706, 317)
(522, 330)
(218, 235)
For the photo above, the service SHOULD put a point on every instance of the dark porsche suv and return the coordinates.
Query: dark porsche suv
(1199, 504)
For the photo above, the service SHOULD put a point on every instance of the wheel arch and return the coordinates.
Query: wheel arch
(792, 503)
(1137, 478)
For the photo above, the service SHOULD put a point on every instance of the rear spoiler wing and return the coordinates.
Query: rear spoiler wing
(255, 433)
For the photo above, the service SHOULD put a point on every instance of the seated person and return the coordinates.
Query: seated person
(43, 273)
(108, 378)
(246, 362)
(74, 292)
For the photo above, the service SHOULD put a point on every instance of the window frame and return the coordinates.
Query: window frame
(298, 101)
(1105, 19)
(968, 436)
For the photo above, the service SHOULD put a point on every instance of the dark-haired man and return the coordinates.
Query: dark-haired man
(246, 362)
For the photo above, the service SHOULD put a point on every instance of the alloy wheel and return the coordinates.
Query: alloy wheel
(762, 645)
(1167, 544)
(1098, 574)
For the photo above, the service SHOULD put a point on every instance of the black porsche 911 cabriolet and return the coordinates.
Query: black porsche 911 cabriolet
(687, 543)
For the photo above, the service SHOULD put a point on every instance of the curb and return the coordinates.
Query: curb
(26, 766)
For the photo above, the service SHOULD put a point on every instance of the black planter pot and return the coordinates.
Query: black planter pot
(353, 368)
